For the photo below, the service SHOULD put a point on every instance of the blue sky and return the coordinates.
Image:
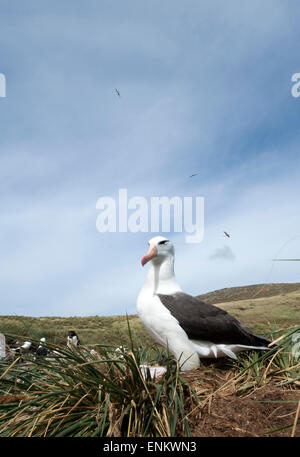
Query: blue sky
(205, 88)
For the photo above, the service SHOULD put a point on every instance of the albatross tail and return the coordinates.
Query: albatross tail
(206, 349)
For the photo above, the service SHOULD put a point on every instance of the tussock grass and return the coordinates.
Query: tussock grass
(77, 394)
(281, 363)
(279, 367)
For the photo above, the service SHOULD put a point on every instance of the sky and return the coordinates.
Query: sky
(205, 88)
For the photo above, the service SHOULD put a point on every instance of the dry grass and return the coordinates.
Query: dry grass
(79, 395)
(76, 395)
(278, 303)
(250, 292)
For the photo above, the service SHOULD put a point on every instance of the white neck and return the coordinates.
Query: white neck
(161, 277)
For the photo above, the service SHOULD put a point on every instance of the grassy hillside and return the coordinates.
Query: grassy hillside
(258, 306)
(109, 330)
(249, 292)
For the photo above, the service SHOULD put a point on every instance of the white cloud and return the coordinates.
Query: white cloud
(223, 253)
(204, 89)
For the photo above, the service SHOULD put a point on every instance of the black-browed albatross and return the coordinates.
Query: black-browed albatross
(189, 327)
(42, 351)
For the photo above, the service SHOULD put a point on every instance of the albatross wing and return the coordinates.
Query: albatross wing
(202, 321)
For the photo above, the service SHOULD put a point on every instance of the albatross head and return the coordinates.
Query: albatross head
(160, 248)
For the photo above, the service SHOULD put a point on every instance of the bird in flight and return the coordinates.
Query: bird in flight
(195, 174)
(227, 234)
(118, 93)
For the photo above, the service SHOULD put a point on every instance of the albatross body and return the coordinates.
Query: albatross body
(72, 339)
(187, 326)
(42, 351)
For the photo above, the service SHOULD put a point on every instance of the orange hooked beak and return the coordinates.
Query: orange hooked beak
(152, 252)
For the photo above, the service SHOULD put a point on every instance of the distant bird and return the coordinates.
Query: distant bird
(120, 351)
(21, 350)
(118, 93)
(14, 346)
(26, 345)
(195, 174)
(227, 234)
(72, 339)
(41, 350)
(187, 326)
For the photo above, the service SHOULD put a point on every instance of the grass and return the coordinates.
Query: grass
(76, 394)
(82, 395)
(250, 292)
(281, 363)
(255, 310)
(111, 330)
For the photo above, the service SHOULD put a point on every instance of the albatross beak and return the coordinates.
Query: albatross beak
(150, 255)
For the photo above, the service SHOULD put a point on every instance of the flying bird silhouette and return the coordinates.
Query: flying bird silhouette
(195, 174)
(118, 93)
(227, 234)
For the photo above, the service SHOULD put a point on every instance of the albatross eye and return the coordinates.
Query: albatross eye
(163, 242)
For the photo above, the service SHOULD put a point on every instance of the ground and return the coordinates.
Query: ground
(256, 413)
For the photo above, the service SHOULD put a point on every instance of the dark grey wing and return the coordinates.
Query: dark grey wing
(202, 321)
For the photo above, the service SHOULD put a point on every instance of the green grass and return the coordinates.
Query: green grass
(281, 305)
(82, 395)
(249, 292)
(110, 330)
(77, 394)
